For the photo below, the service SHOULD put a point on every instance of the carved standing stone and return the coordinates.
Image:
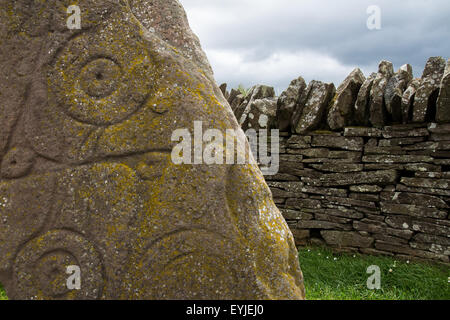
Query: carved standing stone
(86, 119)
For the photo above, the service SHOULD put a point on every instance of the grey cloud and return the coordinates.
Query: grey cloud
(412, 30)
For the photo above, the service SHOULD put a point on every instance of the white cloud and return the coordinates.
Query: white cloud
(275, 69)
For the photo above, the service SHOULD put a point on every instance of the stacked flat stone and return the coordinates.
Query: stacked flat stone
(376, 191)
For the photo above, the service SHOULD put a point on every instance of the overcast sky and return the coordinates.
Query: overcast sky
(274, 41)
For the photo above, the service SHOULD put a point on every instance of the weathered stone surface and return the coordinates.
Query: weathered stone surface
(296, 215)
(408, 99)
(223, 88)
(282, 177)
(259, 114)
(341, 113)
(301, 236)
(394, 91)
(324, 191)
(396, 150)
(444, 251)
(366, 189)
(237, 102)
(261, 92)
(414, 199)
(396, 159)
(362, 104)
(436, 154)
(429, 145)
(344, 212)
(427, 94)
(98, 188)
(390, 239)
(383, 166)
(348, 202)
(295, 168)
(316, 224)
(429, 238)
(362, 132)
(345, 143)
(328, 160)
(443, 102)
(282, 194)
(287, 103)
(346, 239)
(422, 167)
(312, 107)
(433, 175)
(412, 210)
(331, 218)
(426, 183)
(339, 167)
(257, 92)
(290, 186)
(314, 152)
(440, 137)
(443, 128)
(442, 162)
(325, 133)
(405, 249)
(400, 141)
(349, 155)
(303, 203)
(233, 94)
(291, 158)
(364, 196)
(377, 106)
(382, 177)
(438, 192)
(299, 142)
(408, 133)
(370, 226)
(414, 224)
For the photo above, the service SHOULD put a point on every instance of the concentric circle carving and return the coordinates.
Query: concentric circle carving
(101, 79)
(40, 269)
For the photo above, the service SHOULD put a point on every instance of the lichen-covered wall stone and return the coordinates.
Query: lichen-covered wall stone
(394, 91)
(443, 103)
(428, 91)
(287, 103)
(341, 113)
(362, 104)
(313, 105)
(377, 107)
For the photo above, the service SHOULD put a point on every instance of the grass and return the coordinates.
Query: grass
(331, 276)
(243, 90)
(2, 294)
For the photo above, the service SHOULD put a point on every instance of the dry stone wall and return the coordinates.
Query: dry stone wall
(364, 167)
